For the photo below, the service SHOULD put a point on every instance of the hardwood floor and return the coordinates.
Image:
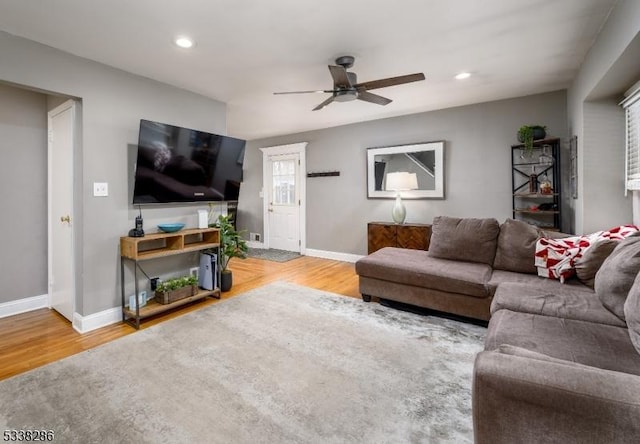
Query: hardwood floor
(42, 336)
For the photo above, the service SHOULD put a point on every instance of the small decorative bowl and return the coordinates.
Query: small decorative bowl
(171, 228)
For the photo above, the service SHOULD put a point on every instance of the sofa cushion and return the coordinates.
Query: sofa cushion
(471, 240)
(577, 302)
(632, 313)
(500, 276)
(507, 349)
(588, 265)
(516, 247)
(415, 267)
(617, 273)
(596, 345)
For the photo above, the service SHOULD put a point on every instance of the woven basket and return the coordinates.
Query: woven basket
(167, 297)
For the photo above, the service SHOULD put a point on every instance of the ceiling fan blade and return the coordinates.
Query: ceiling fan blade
(340, 77)
(373, 98)
(325, 103)
(391, 81)
(305, 92)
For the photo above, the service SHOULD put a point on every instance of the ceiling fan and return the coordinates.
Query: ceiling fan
(347, 88)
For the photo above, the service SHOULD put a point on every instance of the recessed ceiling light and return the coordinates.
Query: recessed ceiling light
(184, 42)
(463, 75)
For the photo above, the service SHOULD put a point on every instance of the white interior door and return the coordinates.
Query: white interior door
(284, 202)
(61, 270)
(284, 196)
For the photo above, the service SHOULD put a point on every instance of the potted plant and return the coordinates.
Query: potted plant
(175, 289)
(528, 133)
(231, 245)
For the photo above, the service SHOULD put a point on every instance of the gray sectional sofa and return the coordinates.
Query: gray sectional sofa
(466, 261)
(563, 366)
(561, 361)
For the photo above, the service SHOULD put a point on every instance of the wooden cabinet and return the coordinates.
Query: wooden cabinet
(536, 184)
(386, 234)
(156, 245)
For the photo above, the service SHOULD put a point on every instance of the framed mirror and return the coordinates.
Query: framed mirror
(423, 163)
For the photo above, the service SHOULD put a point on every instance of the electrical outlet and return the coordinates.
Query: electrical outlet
(100, 189)
(194, 271)
(254, 237)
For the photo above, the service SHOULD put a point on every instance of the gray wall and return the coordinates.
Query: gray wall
(610, 68)
(23, 193)
(477, 167)
(604, 203)
(113, 102)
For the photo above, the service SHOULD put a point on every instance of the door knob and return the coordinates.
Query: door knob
(66, 219)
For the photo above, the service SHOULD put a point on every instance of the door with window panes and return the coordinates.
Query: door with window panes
(284, 202)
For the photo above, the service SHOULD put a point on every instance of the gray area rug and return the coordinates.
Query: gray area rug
(271, 254)
(281, 363)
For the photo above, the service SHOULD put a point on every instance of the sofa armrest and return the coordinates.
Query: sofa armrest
(520, 399)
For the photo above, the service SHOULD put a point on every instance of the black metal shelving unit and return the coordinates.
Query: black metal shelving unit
(532, 203)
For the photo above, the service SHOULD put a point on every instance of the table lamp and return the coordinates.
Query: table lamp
(400, 181)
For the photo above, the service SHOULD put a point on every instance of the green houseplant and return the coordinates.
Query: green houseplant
(231, 245)
(528, 133)
(177, 288)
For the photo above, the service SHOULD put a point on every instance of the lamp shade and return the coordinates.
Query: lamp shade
(401, 181)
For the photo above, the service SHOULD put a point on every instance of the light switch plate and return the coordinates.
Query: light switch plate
(100, 189)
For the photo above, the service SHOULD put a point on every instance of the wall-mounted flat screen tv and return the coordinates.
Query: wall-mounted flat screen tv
(177, 164)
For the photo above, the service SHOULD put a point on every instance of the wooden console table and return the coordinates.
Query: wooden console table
(387, 234)
(156, 245)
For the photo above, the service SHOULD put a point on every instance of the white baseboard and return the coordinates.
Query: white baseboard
(23, 305)
(336, 256)
(84, 324)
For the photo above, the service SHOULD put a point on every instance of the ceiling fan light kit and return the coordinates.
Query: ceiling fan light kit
(346, 87)
(345, 96)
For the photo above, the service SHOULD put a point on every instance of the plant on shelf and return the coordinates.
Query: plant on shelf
(528, 133)
(231, 245)
(175, 289)
(176, 283)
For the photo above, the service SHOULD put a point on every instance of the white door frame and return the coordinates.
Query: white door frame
(51, 218)
(294, 148)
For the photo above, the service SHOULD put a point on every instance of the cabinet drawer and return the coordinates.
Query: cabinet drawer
(380, 236)
(414, 237)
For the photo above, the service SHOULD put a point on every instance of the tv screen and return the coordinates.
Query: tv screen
(177, 164)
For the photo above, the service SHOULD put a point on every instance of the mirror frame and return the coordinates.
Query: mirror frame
(437, 193)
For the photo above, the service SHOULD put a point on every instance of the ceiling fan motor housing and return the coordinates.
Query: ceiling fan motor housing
(345, 61)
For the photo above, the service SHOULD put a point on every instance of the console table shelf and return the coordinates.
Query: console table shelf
(153, 308)
(157, 245)
(166, 244)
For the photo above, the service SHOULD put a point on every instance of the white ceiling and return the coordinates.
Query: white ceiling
(247, 49)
